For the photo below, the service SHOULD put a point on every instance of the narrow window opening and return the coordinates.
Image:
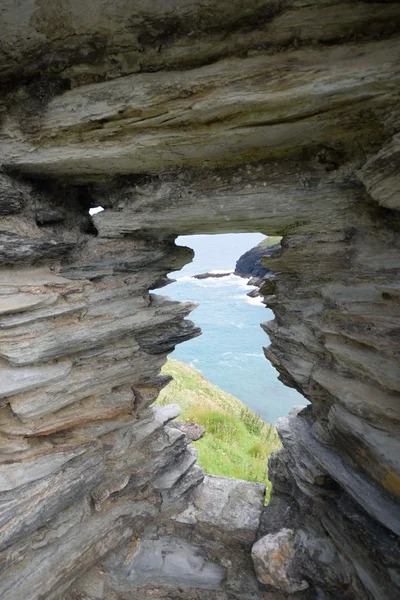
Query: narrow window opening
(95, 210)
(230, 350)
(222, 380)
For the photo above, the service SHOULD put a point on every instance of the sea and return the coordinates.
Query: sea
(229, 353)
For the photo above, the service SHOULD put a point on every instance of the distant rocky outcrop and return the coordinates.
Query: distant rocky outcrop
(211, 275)
(249, 264)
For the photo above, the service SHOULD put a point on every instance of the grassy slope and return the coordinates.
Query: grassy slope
(270, 241)
(237, 443)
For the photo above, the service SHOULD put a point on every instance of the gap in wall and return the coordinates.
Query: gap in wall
(230, 351)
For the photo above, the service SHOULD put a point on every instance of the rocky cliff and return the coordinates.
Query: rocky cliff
(187, 117)
(249, 264)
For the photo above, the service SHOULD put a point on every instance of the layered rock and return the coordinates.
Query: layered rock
(90, 471)
(249, 264)
(177, 118)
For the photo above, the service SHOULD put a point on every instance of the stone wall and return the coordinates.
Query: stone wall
(90, 471)
(199, 117)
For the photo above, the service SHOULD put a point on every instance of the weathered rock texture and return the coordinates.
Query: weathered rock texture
(186, 117)
(249, 264)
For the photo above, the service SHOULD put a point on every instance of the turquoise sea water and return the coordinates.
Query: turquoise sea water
(229, 352)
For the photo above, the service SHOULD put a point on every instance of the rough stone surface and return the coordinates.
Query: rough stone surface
(168, 562)
(182, 117)
(249, 264)
(192, 431)
(231, 504)
(273, 556)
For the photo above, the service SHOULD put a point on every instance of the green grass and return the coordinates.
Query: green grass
(237, 442)
(270, 241)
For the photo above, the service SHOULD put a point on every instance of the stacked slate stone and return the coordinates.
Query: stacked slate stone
(202, 117)
(89, 469)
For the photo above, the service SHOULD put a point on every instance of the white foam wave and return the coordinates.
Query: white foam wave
(257, 301)
(228, 281)
(184, 278)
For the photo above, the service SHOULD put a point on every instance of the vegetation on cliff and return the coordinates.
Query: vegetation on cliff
(237, 442)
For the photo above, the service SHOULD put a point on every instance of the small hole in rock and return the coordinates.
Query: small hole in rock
(95, 210)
